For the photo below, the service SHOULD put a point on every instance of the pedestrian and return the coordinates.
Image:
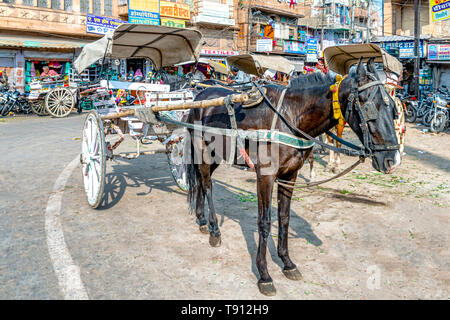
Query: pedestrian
(47, 72)
(3, 78)
(237, 76)
(405, 79)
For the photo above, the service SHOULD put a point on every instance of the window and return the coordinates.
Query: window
(97, 6)
(42, 3)
(28, 2)
(8, 1)
(84, 6)
(68, 6)
(107, 7)
(56, 4)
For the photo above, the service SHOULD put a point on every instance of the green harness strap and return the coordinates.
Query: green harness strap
(273, 136)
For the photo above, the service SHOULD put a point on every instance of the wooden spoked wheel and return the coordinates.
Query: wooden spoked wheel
(38, 107)
(175, 159)
(175, 152)
(59, 102)
(400, 126)
(93, 158)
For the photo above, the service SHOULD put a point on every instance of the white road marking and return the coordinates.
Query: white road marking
(67, 272)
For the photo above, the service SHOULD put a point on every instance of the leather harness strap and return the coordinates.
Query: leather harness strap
(280, 103)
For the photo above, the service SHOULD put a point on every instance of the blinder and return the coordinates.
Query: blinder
(369, 111)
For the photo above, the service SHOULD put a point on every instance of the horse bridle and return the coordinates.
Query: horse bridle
(368, 112)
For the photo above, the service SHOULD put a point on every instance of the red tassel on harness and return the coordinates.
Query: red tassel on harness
(247, 159)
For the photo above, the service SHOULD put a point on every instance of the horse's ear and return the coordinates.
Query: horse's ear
(360, 70)
(371, 67)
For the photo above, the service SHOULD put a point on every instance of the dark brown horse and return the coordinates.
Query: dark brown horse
(307, 105)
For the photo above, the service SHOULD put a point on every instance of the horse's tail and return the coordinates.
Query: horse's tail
(192, 173)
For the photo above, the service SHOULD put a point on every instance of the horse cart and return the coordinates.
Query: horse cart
(164, 46)
(52, 95)
(58, 97)
(340, 59)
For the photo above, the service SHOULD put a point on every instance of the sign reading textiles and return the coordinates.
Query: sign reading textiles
(174, 23)
(175, 10)
(438, 51)
(440, 10)
(143, 12)
(101, 25)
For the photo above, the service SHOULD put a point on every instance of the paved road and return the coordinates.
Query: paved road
(145, 245)
(33, 152)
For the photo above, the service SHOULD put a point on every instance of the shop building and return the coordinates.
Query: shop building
(438, 59)
(37, 33)
(271, 27)
(215, 19)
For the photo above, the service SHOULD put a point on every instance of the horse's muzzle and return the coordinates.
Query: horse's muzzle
(386, 161)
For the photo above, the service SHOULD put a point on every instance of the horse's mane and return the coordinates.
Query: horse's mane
(316, 79)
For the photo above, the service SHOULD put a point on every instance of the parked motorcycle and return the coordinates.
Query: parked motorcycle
(441, 115)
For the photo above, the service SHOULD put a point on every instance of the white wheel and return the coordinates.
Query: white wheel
(93, 158)
(175, 159)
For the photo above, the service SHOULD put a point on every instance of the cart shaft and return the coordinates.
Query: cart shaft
(235, 98)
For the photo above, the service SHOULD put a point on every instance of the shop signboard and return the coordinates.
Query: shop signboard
(294, 47)
(143, 12)
(214, 13)
(440, 10)
(312, 46)
(101, 25)
(311, 57)
(264, 45)
(174, 23)
(438, 51)
(175, 10)
(405, 48)
(215, 52)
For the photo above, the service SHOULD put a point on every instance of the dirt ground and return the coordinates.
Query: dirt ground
(363, 236)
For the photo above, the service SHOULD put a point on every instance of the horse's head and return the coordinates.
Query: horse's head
(370, 112)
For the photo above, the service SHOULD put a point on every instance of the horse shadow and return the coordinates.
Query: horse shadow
(126, 174)
(298, 227)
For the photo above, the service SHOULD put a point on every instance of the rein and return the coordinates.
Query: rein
(299, 132)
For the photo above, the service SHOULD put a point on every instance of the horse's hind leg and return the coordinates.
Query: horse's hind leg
(214, 232)
(331, 164)
(339, 131)
(284, 209)
(200, 209)
(264, 187)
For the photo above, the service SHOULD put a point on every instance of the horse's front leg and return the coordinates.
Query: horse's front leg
(264, 188)
(284, 210)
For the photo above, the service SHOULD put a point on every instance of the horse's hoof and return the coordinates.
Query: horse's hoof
(293, 274)
(204, 229)
(215, 241)
(267, 288)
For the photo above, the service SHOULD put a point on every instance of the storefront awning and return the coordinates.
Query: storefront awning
(40, 43)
